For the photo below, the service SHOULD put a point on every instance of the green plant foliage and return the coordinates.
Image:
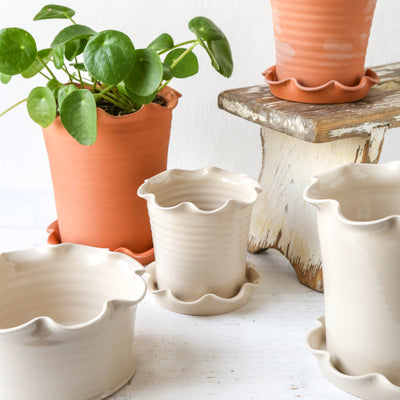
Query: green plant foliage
(146, 75)
(17, 50)
(79, 117)
(103, 68)
(72, 32)
(109, 56)
(215, 43)
(188, 66)
(43, 57)
(53, 11)
(42, 106)
(162, 42)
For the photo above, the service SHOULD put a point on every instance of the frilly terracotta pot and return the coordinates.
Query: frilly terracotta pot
(95, 187)
(318, 42)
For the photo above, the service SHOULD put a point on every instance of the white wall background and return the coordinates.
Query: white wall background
(201, 134)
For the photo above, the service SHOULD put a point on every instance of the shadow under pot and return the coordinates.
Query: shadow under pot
(200, 224)
(358, 211)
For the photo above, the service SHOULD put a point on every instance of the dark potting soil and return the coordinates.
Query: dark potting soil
(114, 110)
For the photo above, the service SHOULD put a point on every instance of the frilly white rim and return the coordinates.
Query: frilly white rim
(108, 305)
(392, 166)
(254, 280)
(233, 177)
(324, 357)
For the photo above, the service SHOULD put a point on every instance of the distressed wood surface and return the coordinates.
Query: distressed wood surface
(281, 219)
(320, 123)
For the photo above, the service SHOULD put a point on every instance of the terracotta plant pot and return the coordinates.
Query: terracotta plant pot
(95, 187)
(200, 223)
(358, 223)
(318, 42)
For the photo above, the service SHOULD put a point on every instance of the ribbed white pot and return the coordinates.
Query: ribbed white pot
(200, 225)
(359, 230)
(67, 317)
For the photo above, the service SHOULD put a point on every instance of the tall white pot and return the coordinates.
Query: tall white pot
(359, 230)
(200, 224)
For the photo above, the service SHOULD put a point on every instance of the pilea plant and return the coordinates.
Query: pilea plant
(102, 69)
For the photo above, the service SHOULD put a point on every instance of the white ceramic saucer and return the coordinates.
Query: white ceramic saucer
(371, 386)
(209, 304)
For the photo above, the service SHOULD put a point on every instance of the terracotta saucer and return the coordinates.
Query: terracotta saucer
(330, 93)
(144, 258)
(369, 386)
(209, 304)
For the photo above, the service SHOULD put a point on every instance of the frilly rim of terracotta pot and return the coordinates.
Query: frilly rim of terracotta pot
(144, 258)
(379, 170)
(146, 193)
(332, 92)
(210, 301)
(108, 307)
(169, 94)
(316, 343)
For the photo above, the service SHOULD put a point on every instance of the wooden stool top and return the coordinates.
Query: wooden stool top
(320, 123)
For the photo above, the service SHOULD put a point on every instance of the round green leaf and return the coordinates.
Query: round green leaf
(141, 99)
(72, 32)
(187, 66)
(162, 42)
(79, 66)
(52, 11)
(58, 56)
(146, 75)
(205, 28)
(167, 72)
(64, 91)
(74, 47)
(109, 56)
(4, 78)
(37, 66)
(223, 56)
(54, 85)
(42, 106)
(17, 50)
(215, 43)
(79, 117)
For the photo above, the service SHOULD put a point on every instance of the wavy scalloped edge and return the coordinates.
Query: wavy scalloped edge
(353, 171)
(370, 386)
(109, 306)
(144, 258)
(330, 93)
(145, 190)
(209, 304)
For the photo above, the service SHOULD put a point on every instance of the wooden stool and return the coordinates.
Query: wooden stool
(300, 141)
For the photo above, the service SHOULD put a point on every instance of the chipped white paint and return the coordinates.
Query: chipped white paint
(236, 107)
(366, 128)
(281, 218)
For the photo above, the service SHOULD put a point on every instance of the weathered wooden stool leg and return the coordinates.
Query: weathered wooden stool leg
(281, 219)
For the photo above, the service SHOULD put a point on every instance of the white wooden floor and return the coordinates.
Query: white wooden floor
(257, 352)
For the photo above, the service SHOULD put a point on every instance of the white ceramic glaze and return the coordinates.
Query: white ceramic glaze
(359, 230)
(67, 322)
(200, 224)
(370, 386)
(209, 304)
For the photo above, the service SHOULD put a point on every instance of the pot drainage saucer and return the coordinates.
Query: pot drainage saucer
(144, 258)
(209, 304)
(330, 93)
(370, 386)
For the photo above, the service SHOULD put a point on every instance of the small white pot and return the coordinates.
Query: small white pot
(200, 224)
(67, 322)
(359, 230)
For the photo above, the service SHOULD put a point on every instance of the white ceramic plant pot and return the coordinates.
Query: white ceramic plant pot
(200, 225)
(67, 322)
(359, 230)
